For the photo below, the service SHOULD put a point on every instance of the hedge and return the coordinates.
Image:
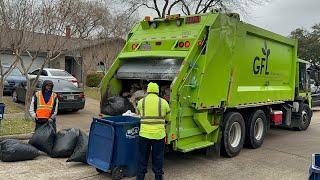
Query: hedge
(94, 79)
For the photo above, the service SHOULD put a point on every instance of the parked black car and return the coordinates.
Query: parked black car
(12, 79)
(71, 98)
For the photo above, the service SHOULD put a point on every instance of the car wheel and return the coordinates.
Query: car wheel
(256, 129)
(15, 97)
(233, 134)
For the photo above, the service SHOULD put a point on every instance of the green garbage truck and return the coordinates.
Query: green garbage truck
(227, 82)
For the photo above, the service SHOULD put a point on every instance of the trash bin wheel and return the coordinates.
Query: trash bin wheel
(117, 173)
(99, 170)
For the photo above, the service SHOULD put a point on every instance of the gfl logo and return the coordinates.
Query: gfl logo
(260, 65)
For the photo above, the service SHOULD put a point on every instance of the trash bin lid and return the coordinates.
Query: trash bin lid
(100, 145)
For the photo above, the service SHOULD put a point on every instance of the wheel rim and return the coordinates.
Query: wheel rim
(304, 117)
(258, 129)
(235, 134)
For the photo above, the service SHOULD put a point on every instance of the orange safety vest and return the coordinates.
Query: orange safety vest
(44, 109)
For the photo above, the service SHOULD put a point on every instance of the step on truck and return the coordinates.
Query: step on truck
(227, 82)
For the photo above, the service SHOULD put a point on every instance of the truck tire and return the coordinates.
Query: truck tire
(256, 128)
(303, 117)
(233, 134)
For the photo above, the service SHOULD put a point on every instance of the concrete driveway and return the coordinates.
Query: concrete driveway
(81, 119)
(284, 155)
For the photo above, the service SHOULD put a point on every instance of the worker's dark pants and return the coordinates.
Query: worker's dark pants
(145, 146)
(41, 122)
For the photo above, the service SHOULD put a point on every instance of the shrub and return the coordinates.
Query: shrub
(94, 79)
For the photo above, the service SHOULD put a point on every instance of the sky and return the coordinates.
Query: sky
(283, 16)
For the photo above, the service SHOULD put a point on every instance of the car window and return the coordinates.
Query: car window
(60, 84)
(59, 73)
(35, 72)
(44, 73)
(14, 72)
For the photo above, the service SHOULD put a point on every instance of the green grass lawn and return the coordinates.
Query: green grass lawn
(93, 93)
(11, 107)
(16, 126)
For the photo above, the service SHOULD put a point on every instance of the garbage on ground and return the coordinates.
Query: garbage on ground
(80, 151)
(65, 142)
(44, 138)
(116, 106)
(12, 150)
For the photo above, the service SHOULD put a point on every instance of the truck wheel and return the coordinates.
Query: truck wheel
(233, 133)
(305, 115)
(117, 173)
(256, 129)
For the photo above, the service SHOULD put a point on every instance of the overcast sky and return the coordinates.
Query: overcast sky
(283, 16)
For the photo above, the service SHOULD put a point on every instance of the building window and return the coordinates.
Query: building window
(101, 67)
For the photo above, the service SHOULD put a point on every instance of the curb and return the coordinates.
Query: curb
(17, 136)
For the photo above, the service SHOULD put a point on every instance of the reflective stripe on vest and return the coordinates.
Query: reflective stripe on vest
(152, 119)
(44, 109)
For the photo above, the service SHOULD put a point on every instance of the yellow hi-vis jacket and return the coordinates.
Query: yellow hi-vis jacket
(153, 111)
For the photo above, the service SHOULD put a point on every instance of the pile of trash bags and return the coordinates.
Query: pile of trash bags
(67, 143)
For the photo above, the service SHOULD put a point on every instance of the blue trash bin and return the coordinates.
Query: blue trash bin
(2, 106)
(113, 145)
(314, 170)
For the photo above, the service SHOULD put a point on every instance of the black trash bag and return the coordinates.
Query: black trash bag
(43, 138)
(80, 151)
(65, 143)
(116, 106)
(13, 150)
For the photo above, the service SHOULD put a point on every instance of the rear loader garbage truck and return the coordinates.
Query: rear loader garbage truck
(226, 81)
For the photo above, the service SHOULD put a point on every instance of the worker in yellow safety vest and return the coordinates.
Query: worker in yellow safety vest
(44, 105)
(154, 112)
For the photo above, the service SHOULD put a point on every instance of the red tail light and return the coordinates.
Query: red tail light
(200, 43)
(134, 46)
(82, 96)
(187, 44)
(193, 19)
(60, 97)
(181, 44)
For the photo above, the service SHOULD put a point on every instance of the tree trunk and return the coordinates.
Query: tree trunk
(1, 87)
(28, 99)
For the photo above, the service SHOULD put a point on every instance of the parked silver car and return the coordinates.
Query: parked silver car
(71, 98)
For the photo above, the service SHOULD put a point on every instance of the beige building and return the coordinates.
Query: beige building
(94, 56)
(78, 57)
